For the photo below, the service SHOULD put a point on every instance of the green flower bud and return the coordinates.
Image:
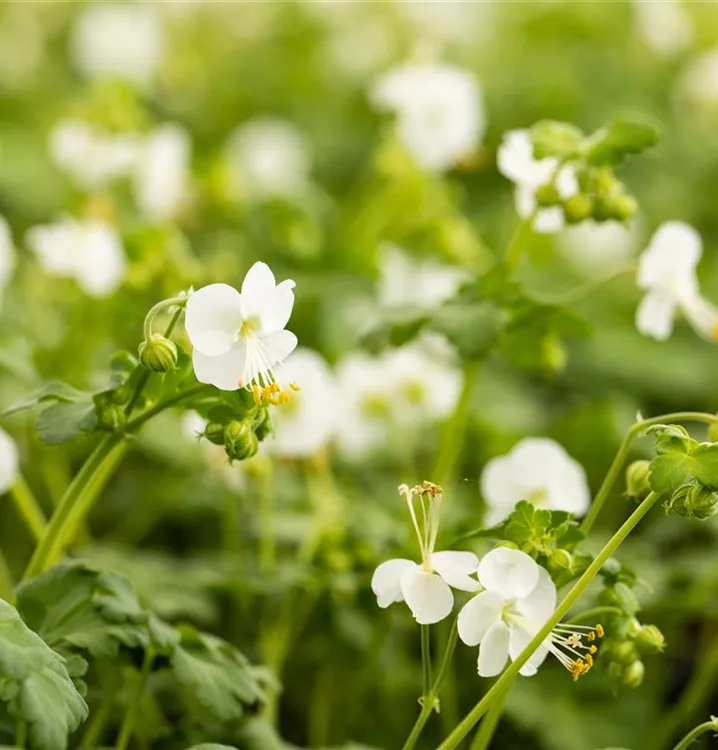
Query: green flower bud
(553, 354)
(650, 639)
(214, 432)
(604, 181)
(694, 501)
(637, 479)
(559, 561)
(159, 354)
(611, 567)
(548, 195)
(111, 417)
(240, 442)
(263, 424)
(623, 652)
(121, 395)
(633, 675)
(621, 207)
(577, 208)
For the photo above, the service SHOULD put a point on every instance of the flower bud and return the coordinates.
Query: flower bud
(637, 479)
(623, 652)
(214, 432)
(622, 207)
(121, 395)
(240, 442)
(694, 501)
(650, 639)
(263, 424)
(548, 195)
(604, 181)
(577, 208)
(159, 354)
(559, 561)
(633, 675)
(111, 417)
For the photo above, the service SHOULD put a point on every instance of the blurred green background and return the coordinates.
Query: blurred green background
(276, 556)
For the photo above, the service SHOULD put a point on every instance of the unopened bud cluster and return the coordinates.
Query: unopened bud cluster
(693, 501)
(159, 354)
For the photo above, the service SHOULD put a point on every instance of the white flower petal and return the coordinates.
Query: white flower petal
(654, 316)
(478, 615)
(671, 256)
(494, 650)
(457, 569)
(539, 605)
(386, 581)
(278, 309)
(428, 597)
(213, 318)
(549, 220)
(499, 488)
(257, 289)
(518, 641)
(278, 346)
(9, 462)
(224, 371)
(509, 572)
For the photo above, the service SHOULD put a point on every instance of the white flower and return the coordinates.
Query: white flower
(594, 245)
(162, 172)
(409, 282)
(267, 158)
(664, 26)
(518, 598)
(7, 253)
(450, 20)
(90, 157)
(538, 470)
(439, 111)
(113, 40)
(238, 338)
(667, 273)
(88, 251)
(698, 84)
(307, 422)
(425, 587)
(516, 162)
(9, 462)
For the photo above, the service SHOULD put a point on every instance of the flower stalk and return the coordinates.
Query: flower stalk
(694, 734)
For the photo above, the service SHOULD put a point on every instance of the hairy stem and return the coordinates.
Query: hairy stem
(425, 661)
(694, 734)
(578, 588)
(28, 507)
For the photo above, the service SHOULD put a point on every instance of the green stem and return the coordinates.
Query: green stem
(137, 422)
(517, 244)
(131, 716)
(578, 588)
(425, 661)
(56, 532)
(98, 718)
(429, 701)
(267, 546)
(453, 437)
(179, 301)
(582, 291)
(694, 734)
(634, 431)
(7, 587)
(20, 733)
(489, 723)
(28, 508)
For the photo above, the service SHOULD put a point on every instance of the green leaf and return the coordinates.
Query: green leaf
(54, 391)
(396, 328)
(670, 438)
(35, 684)
(62, 422)
(613, 143)
(77, 608)
(472, 327)
(217, 673)
(705, 464)
(558, 139)
(259, 734)
(669, 471)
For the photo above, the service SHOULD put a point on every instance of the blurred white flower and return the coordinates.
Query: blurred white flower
(439, 111)
(9, 462)
(361, 48)
(537, 470)
(667, 273)
(698, 84)
(449, 20)
(118, 40)
(406, 281)
(664, 25)
(238, 338)
(518, 598)
(7, 253)
(598, 245)
(91, 158)
(516, 162)
(306, 423)
(426, 588)
(267, 158)
(162, 172)
(88, 251)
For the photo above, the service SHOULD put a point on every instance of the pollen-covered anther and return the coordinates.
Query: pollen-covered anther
(295, 387)
(257, 394)
(569, 646)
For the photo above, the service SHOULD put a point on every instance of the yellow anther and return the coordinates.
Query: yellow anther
(589, 661)
(592, 650)
(274, 400)
(591, 636)
(257, 394)
(599, 630)
(295, 387)
(283, 397)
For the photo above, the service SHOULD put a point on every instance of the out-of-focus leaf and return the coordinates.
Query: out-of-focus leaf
(62, 422)
(472, 327)
(613, 143)
(396, 328)
(35, 684)
(259, 734)
(55, 391)
(558, 139)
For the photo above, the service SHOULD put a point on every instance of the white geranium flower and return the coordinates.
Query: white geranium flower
(408, 282)
(518, 598)
(118, 40)
(9, 462)
(538, 470)
(667, 273)
(516, 162)
(664, 26)
(239, 338)
(425, 587)
(439, 111)
(88, 251)
(267, 158)
(91, 158)
(307, 421)
(162, 172)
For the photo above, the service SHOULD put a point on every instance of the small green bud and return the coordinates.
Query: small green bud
(263, 424)
(604, 181)
(214, 432)
(506, 543)
(577, 208)
(560, 560)
(623, 652)
(111, 417)
(633, 675)
(637, 479)
(159, 354)
(548, 195)
(553, 354)
(650, 639)
(625, 598)
(611, 567)
(621, 207)
(694, 501)
(120, 395)
(240, 442)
